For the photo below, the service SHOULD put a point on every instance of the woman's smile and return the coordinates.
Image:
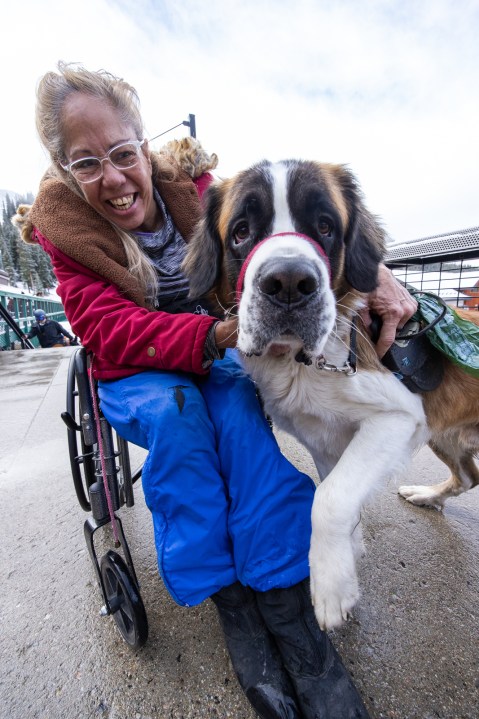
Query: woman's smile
(123, 203)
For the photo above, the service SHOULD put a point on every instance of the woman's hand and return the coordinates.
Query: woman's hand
(394, 305)
(226, 334)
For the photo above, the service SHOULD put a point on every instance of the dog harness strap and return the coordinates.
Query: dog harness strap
(317, 246)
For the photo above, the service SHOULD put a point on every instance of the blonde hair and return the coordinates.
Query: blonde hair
(190, 155)
(52, 93)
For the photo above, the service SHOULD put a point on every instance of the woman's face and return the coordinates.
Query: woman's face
(91, 128)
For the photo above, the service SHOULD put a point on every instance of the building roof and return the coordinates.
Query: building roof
(460, 243)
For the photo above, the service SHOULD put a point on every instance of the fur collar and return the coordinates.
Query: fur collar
(74, 228)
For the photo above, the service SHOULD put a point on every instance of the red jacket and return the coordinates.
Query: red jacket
(103, 302)
(125, 338)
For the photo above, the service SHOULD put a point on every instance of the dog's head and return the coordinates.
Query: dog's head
(283, 241)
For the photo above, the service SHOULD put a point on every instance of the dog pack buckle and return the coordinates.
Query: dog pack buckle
(414, 360)
(409, 331)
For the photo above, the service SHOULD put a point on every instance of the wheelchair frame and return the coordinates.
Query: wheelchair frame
(103, 481)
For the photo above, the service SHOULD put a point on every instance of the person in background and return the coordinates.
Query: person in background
(49, 332)
(231, 516)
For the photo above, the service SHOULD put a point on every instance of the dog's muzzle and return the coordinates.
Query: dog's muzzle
(284, 295)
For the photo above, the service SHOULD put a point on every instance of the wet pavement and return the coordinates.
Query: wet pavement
(412, 646)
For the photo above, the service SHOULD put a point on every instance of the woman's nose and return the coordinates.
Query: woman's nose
(111, 175)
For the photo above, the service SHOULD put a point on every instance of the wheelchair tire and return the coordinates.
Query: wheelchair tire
(82, 476)
(125, 603)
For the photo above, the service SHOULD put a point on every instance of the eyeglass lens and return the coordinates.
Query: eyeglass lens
(91, 168)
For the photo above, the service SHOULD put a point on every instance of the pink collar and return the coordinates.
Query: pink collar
(239, 284)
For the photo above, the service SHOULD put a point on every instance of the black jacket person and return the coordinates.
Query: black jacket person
(49, 332)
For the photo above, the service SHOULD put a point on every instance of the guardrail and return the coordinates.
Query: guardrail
(21, 307)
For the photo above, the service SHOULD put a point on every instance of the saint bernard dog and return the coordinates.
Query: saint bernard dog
(291, 249)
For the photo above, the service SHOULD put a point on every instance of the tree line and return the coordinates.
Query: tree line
(24, 264)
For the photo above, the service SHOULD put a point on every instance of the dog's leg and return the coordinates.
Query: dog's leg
(359, 550)
(382, 444)
(456, 448)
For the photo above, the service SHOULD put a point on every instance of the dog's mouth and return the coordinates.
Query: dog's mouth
(283, 345)
(262, 333)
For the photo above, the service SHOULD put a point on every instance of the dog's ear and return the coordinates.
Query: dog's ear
(204, 254)
(364, 251)
(364, 239)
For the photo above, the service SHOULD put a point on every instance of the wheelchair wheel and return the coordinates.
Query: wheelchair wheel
(81, 462)
(125, 602)
(83, 444)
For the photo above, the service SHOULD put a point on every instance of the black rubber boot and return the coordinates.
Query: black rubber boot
(254, 654)
(324, 689)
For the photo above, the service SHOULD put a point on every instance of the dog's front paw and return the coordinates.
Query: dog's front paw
(334, 584)
(422, 495)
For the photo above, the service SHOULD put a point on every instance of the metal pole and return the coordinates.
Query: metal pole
(192, 125)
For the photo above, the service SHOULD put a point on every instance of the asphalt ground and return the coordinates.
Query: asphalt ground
(412, 646)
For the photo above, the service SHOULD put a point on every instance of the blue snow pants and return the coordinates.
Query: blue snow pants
(226, 504)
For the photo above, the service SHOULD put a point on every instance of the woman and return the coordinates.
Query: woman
(231, 515)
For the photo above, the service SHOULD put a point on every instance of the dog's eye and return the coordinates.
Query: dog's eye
(325, 227)
(241, 233)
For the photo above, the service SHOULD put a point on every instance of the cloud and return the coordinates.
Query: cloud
(388, 88)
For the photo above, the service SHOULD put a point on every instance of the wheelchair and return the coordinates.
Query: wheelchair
(103, 481)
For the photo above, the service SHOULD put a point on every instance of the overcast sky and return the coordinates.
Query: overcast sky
(389, 87)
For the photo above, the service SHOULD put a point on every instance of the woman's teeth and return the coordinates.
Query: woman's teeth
(123, 203)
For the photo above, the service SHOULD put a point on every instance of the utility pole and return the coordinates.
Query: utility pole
(191, 123)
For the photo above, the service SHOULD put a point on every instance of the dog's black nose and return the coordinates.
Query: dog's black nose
(288, 281)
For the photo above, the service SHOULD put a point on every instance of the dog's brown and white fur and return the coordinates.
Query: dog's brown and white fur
(298, 300)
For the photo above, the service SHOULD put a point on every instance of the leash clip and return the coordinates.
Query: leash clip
(348, 369)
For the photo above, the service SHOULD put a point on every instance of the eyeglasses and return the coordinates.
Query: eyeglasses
(122, 157)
